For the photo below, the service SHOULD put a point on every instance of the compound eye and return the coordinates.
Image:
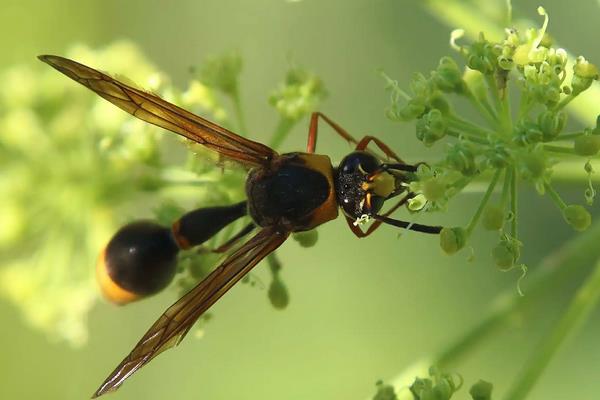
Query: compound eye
(359, 161)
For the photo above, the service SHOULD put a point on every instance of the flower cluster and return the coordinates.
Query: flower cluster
(519, 86)
(69, 162)
(438, 386)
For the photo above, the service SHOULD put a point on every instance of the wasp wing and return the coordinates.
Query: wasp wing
(174, 324)
(151, 108)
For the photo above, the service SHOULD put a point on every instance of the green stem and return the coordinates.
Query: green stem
(524, 105)
(484, 108)
(187, 182)
(484, 201)
(556, 269)
(578, 312)
(461, 124)
(506, 114)
(508, 13)
(274, 263)
(239, 113)
(566, 100)
(461, 183)
(493, 86)
(514, 204)
(559, 149)
(569, 136)
(506, 187)
(474, 139)
(284, 126)
(524, 108)
(555, 196)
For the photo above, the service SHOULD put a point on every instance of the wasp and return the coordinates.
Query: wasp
(286, 193)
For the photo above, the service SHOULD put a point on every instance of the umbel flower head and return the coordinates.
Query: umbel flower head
(519, 86)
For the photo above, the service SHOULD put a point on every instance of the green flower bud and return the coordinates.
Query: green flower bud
(222, 72)
(506, 253)
(442, 390)
(589, 169)
(462, 159)
(421, 86)
(493, 217)
(482, 56)
(412, 110)
(431, 127)
(528, 132)
(532, 165)
(579, 84)
(421, 388)
(577, 216)
(278, 294)
(434, 188)
(551, 124)
(479, 64)
(438, 101)
(505, 63)
(497, 156)
(596, 130)
(299, 94)
(385, 392)
(587, 145)
(585, 69)
(590, 192)
(482, 390)
(306, 238)
(453, 239)
(584, 73)
(447, 77)
(417, 203)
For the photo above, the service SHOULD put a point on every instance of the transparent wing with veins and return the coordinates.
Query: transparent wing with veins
(174, 324)
(151, 108)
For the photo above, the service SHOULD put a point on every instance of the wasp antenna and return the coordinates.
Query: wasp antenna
(398, 167)
(408, 225)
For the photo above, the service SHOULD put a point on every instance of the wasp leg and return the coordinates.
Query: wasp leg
(314, 127)
(234, 239)
(364, 142)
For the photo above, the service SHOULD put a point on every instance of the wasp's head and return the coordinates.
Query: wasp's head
(363, 184)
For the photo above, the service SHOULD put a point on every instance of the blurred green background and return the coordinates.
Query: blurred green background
(361, 310)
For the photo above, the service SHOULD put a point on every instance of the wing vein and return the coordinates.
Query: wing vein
(178, 319)
(153, 109)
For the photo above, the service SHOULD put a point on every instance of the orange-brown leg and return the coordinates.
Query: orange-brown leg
(364, 142)
(314, 127)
